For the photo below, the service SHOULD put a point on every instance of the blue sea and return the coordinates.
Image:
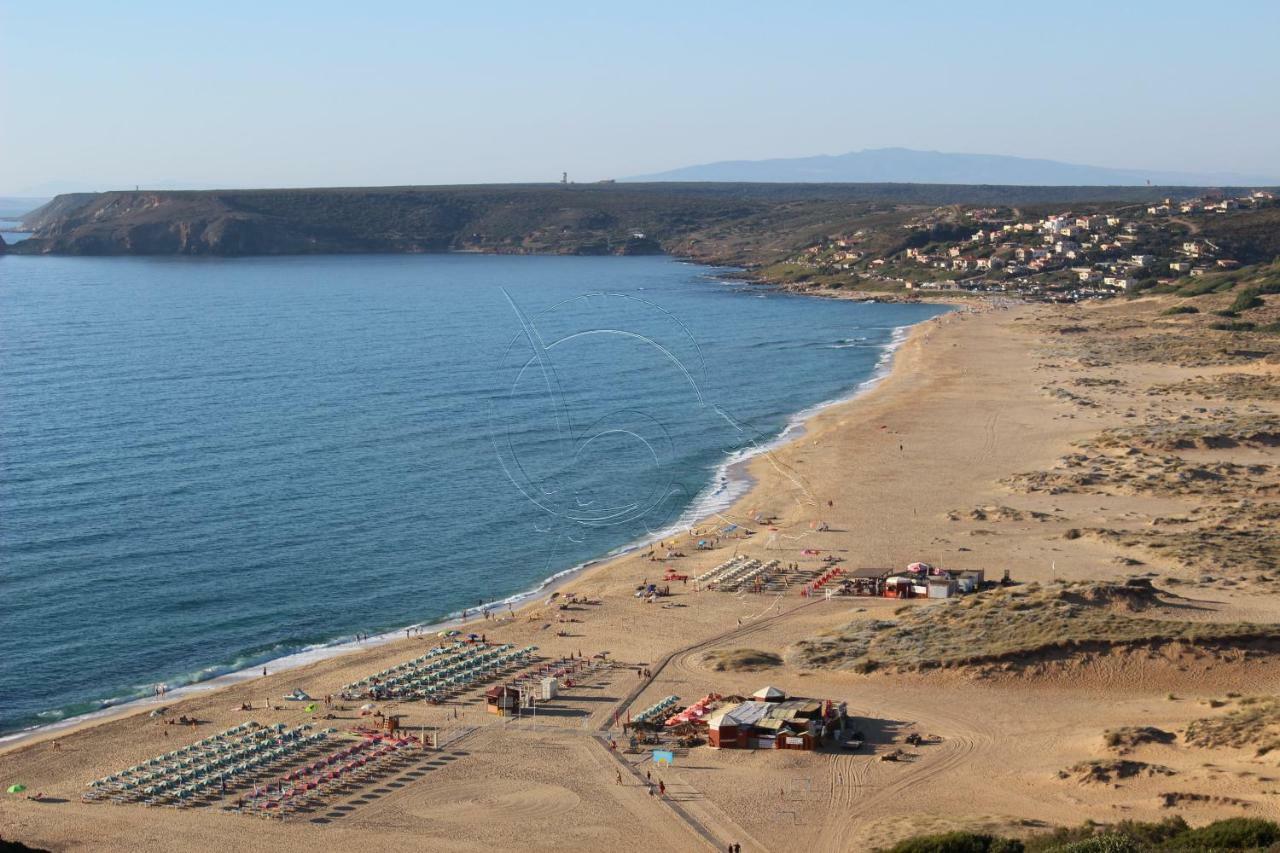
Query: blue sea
(208, 464)
(9, 235)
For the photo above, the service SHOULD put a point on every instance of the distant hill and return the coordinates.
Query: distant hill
(727, 222)
(905, 165)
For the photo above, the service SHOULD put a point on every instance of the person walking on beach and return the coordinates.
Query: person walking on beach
(264, 672)
(619, 777)
(662, 788)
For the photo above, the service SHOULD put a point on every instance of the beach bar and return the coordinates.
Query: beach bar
(769, 720)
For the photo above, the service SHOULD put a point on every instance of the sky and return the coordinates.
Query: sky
(98, 96)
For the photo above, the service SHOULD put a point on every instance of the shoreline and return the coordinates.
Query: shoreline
(731, 481)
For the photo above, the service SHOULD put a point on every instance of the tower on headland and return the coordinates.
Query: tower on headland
(564, 177)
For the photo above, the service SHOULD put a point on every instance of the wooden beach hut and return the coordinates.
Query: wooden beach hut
(502, 700)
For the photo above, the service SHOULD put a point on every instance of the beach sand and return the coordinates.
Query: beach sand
(933, 465)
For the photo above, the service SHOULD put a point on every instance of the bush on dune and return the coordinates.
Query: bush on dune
(1170, 834)
(958, 842)
(1237, 833)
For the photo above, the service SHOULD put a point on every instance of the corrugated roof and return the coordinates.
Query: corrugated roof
(765, 714)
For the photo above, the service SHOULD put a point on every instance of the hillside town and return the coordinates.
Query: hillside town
(1063, 256)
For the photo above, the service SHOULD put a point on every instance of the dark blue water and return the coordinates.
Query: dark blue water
(207, 464)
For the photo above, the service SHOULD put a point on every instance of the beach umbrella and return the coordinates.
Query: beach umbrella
(16, 789)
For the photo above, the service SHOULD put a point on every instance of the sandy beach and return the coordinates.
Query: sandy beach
(968, 455)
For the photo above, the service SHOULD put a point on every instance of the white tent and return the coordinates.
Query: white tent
(769, 694)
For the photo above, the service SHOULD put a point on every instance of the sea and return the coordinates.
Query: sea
(208, 465)
(9, 235)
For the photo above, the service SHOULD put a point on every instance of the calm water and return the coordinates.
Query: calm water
(9, 235)
(207, 464)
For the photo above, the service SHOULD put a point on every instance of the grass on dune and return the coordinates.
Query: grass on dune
(1008, 624)
(1255, 721)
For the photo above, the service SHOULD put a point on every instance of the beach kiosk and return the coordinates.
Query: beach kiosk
(502, 700)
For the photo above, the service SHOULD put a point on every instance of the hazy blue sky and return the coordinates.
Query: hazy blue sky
(108, 95)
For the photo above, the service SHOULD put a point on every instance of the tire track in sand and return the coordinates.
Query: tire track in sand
(961, 741)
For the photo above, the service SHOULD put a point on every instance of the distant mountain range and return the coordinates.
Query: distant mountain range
(908, 166)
